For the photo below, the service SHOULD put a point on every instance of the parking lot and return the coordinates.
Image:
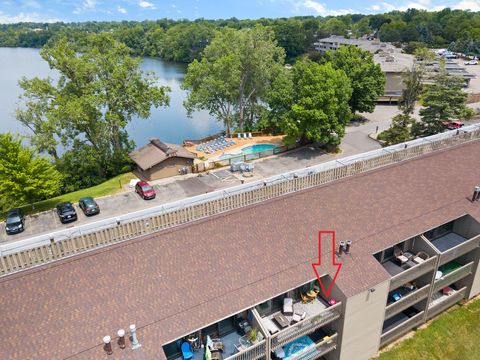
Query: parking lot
(168, 190)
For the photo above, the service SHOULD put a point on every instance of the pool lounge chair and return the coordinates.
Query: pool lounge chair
(239, 135)
(245, 136)
(250, 135)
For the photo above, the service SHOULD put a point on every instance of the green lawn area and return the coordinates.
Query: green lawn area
(451, 336)
(109, 187)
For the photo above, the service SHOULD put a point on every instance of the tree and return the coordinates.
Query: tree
(235, 72)
(443, 100)
(24, 176)
(399, 130)
(97, 94)
(366, 77)
(413, 85)
(312, 103)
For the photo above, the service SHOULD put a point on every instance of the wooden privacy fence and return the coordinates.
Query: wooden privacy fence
(128, 230)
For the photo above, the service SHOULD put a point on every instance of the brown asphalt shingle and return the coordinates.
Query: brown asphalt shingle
(179, 280)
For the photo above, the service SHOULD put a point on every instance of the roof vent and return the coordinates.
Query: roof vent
(341, 248)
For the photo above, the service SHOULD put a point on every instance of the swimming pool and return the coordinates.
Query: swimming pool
(248, 150)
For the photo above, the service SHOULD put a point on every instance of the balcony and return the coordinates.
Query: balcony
(399, 325)
(455, 238)
(408, 271)
(317, 315)
(238, 337)
(406, 301)
(314, 349)
(452, 272)
(441, 302)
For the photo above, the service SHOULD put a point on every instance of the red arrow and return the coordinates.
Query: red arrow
(326, 292)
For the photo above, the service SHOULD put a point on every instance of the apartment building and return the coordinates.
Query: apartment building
(241, 282)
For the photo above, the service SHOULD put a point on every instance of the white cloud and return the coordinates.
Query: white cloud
(121, 10)
(146, 5)
(403, 6)
(31, 4)
(24, 17)
(321, 9)
(374, 8)
(472, 5)
(87, 5)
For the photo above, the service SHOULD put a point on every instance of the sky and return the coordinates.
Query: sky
(12, 11)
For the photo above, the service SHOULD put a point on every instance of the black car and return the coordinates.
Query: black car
(15, 222)
(66, 212)
(89, 206)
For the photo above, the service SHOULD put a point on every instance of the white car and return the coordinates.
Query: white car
(471, 62)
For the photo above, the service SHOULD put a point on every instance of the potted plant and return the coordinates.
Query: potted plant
(252, 335)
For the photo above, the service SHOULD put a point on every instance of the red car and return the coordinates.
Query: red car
(145, 190)
(455, 125)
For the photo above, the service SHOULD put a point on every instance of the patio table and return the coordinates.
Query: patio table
(282, 320)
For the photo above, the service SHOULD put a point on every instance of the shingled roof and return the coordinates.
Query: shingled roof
(156, 152)
(176, 281)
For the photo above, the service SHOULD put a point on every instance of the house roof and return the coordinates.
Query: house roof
(156, 152)
(178, 280)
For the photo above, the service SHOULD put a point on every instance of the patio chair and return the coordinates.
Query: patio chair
(420, 257)
(186, 351)
(245, 136)
(239, 136)
(250, 135)
(288, 306)
(305, 298)
(399, 256)
(297, 317)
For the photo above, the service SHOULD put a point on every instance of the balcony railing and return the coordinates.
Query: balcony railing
(306, 326)
(320, 349)
(412, 273)
(402, 329)
(407, 301)
(459, 250)
(254, 352)
(453, 276)
(446, 302)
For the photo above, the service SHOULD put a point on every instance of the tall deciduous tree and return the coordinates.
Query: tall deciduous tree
(443, 101)
(24, 176)
(312, 103)
(97, 94)
(367, 78)
(235, 72)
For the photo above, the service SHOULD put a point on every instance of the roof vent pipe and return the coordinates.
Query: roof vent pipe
(135, 343)
(341, 248)
(121, 338)
(107, 341)
(349, 245)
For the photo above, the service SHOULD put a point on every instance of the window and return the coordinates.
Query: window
(264, 308)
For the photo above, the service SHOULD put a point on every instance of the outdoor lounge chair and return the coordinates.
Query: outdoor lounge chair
(270, 326)
(250, 135)
(297, 317)
(186, 351)
(420, 257)
(399, 256)
(288, 306)
(239, 135)
(245, 136)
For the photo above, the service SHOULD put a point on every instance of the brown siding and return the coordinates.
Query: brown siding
(167, 168)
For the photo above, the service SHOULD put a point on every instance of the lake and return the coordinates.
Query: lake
(169, 124)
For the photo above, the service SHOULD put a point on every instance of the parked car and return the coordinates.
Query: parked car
(471, 62)
(15, 222)
(89, 206)
(145, 190)
(66, 212)
(455, 125)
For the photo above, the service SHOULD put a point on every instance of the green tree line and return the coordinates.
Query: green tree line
(184, 40)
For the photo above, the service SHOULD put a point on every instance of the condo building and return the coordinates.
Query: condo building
(240, 284)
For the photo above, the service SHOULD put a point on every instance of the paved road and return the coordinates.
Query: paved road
(356, 141)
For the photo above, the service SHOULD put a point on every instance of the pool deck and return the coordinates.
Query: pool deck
(239, 144)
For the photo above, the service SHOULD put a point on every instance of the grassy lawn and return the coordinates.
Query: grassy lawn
(451, 336)
(109, 187)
